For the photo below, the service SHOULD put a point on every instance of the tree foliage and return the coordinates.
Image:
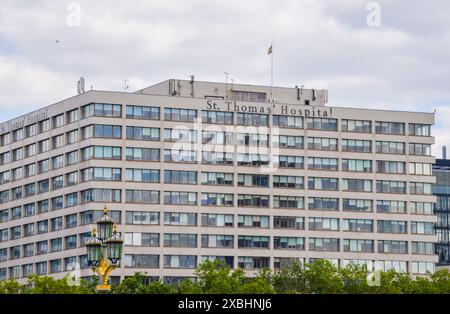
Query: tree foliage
(218, 278)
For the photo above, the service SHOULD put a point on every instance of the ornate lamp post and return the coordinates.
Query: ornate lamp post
(104, 249)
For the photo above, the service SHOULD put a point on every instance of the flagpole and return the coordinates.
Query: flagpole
(271, 72)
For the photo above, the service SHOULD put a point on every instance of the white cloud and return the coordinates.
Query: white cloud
(323, 44)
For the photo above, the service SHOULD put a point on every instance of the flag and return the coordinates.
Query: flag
(269, 51)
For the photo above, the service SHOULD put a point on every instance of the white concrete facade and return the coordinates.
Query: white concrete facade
(409, 156)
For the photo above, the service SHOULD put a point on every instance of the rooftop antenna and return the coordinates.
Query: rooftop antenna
(80, 86)
(226, 83)
(125, 87)
(444, 152)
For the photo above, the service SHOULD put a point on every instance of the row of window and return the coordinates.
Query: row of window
(314, 203)
(189, 115)
(208, 137)
(190, 262)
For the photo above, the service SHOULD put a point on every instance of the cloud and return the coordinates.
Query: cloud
(402, 64)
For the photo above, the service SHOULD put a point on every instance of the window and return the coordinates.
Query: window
(180, 240)
(419, 188)
(359, 126)
(31, 130)
(71, 221)
(217, 178)
(142, 175)
(180, 219)
(216, 199)
(288, 222)
(254, 180)
(420, 227)
(58, 141)
(176, 114)
(217, 241)
(219, 117)
(253, 242)
(142, 239)
(70, 242)
(296, 162)
(287, 141)
(101, 110)
(72, 116)
(323, 224)
(252, 159)
(323, 203)
(253, 221)
(102, 131)
(358, 225)
(287, 121)
(326, 124)
(141, 133)
(356, 185)
(416, 129)
(58, 162)
(420, 168)
(142, 196)
(425, 248)
(245, 139)
(180, 261)
(101, 195)
(293, 182)
(384, 147)
(253, 119)
(253, 262)
(101, 174)
(422, 267)
(142, 112)
(384, 186)
(180, 198)
(56, 223)
(217, 220)
(30, 150)
(71, 178)
(142, 154)
(30, 170)
(321, 163)
(250, 200)
(141, 218)
(391, 226)
(292, 202)
(71, 158)
(358, 245)
(181, 156)
(393, 246)
(421, 208)
(43, 146)
(384, 166)
(44, 125)
(315, 183)
(217, 158)
(17, 154)
(357, 165)
(322, 143)
(324, 244)
(57, 182)
(224, 138)
(101, 152)
(58, 121)
(71, 199)
(180, 177)
(55, 266)
(395, 128)
(141, 261)
(419, 149)
(17, 135)
(248, 96)
(398, 207)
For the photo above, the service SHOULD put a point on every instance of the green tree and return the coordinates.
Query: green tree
(10, 286)
(136, 284)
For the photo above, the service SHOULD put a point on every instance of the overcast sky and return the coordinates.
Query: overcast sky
(398, 59)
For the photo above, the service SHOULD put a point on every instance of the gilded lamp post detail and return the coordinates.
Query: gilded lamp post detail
(104, 249)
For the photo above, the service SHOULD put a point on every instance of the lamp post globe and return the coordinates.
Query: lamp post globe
(94, 249)
(105, 226)
(114, 246)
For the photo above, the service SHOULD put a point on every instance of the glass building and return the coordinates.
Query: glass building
(442, 209)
